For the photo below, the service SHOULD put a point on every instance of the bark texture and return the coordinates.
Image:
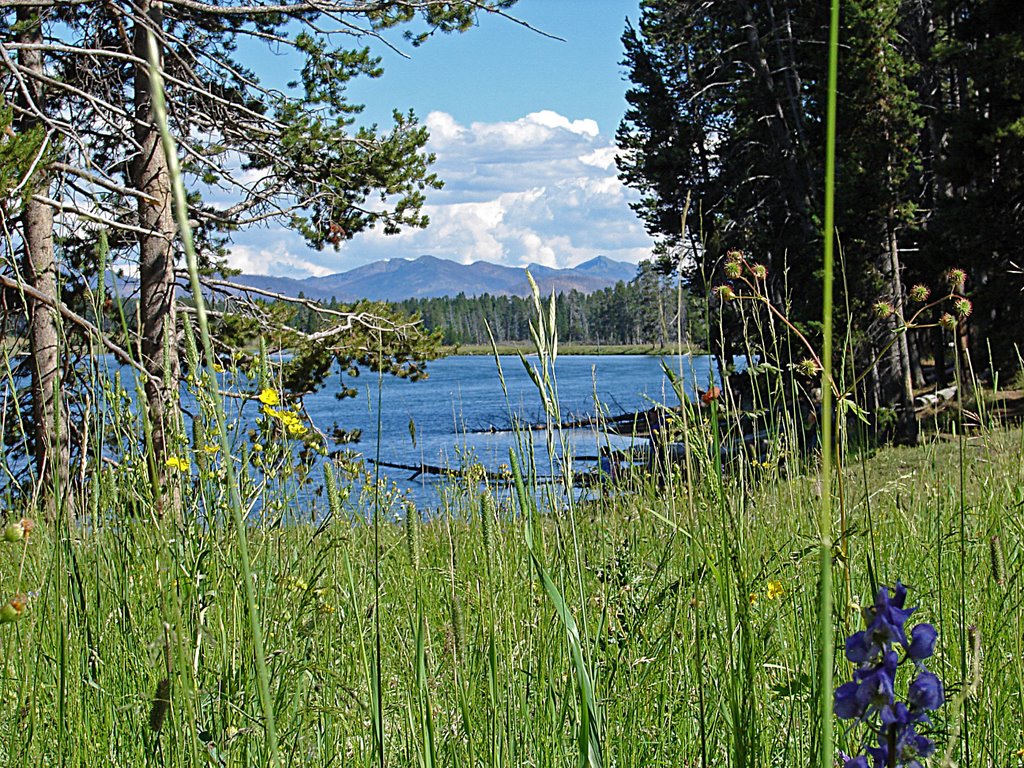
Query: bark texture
(156, 255)
(40, 272)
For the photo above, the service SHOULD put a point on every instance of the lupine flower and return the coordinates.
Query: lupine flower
(922, 642)
(870, 697)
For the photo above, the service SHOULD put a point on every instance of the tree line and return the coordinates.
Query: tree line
(649, 310)
(726, 123)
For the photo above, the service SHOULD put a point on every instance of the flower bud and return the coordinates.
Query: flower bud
(711, 395)
(725, 293)
(19, 531)
(13, 608)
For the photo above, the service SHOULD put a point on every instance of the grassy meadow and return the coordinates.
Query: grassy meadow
(662, 624)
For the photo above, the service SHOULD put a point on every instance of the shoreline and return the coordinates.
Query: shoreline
(527, 348)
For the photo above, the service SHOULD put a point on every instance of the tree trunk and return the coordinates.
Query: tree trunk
(156, 256)
(906, 424)
(40, 271)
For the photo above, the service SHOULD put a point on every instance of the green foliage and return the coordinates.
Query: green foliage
(19, 154)
(727, 103)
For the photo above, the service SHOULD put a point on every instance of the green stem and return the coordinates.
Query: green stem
(230, 482)
(825, 598)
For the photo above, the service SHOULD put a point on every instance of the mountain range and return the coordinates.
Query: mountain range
(429, 277)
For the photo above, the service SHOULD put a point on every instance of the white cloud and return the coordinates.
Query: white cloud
(275, 260)
(539, 189)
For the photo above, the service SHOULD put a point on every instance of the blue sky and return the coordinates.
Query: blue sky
(523, 128)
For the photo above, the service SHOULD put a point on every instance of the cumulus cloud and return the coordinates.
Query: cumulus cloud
(276, 259)
(540, 189)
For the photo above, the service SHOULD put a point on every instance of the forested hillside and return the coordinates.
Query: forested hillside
(648, 310)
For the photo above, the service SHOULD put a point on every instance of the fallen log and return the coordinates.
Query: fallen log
(434, 469)
(637, 423)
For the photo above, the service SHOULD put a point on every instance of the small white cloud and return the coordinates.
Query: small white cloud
(554, 120)
(275, 260)
(602, 157)
(443, 128)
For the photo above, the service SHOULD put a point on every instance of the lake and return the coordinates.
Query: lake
(454, 409)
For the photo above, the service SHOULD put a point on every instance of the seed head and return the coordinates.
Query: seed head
(161, 703)
(733, 269)
(955, 279)
(947, 321)
(725, 293)
(883, 309)
(998, 562)
(920, 292)
(808, 367)
(759, 271)
(963, 307)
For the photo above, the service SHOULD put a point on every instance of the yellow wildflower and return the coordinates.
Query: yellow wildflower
(753, 598)
(269, 397)
(211, 449)
(775, 589)
(177, 463)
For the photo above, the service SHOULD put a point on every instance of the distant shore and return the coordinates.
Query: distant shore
(526, 347)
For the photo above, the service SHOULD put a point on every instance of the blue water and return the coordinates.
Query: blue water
(460, 413)
(454, 409)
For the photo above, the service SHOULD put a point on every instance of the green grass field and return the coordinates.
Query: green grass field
(695, 609)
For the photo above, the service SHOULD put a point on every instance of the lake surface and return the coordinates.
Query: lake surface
(454, 409)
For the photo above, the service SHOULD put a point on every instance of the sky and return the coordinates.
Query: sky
(523, 128)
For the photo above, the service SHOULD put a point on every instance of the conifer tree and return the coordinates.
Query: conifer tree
(258, 153)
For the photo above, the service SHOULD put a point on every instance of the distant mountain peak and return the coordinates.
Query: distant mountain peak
(429, 276)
